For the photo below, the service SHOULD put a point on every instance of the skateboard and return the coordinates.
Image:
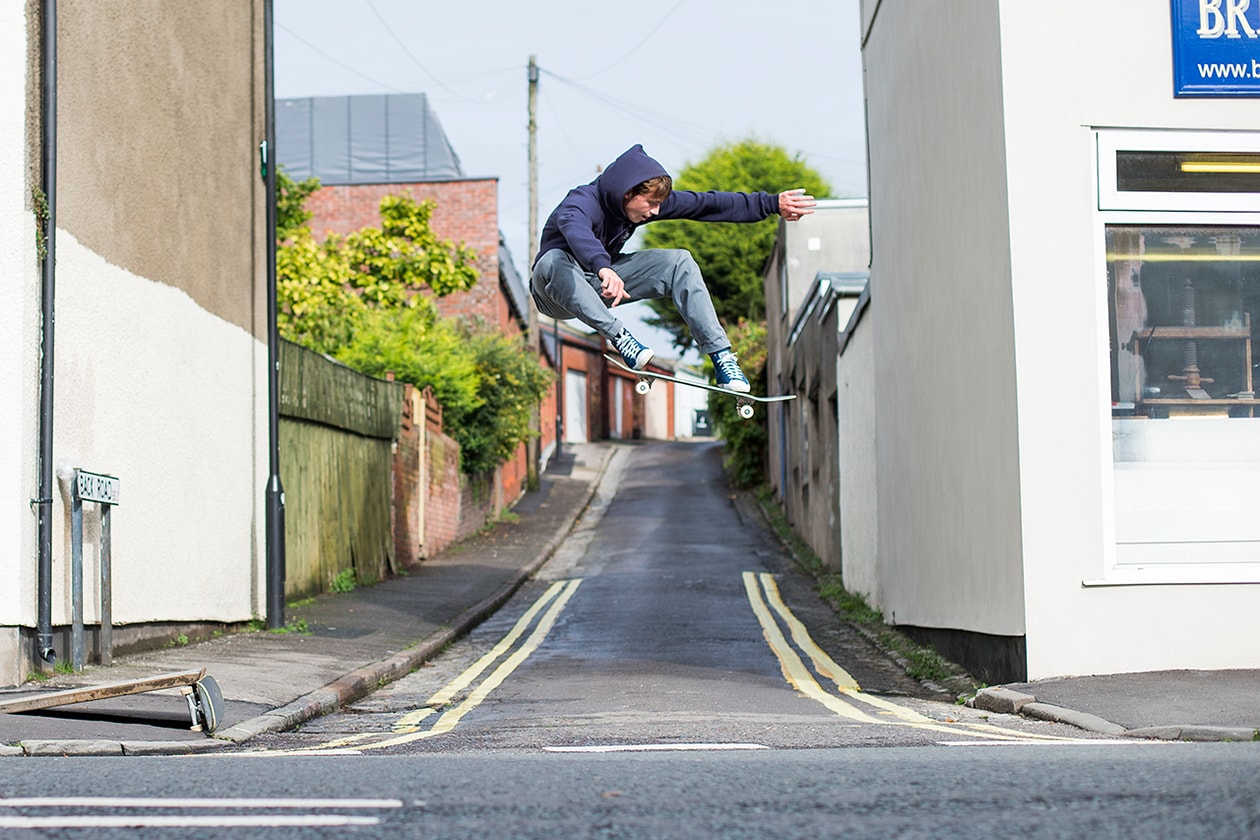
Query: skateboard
(205, 700)
(743, 402)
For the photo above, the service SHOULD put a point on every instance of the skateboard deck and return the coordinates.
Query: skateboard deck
(205, 700)
(743, 402)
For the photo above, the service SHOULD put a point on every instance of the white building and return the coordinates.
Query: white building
(160, 363)
(1065, 291)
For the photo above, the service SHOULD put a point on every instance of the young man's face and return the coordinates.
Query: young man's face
(641, 208)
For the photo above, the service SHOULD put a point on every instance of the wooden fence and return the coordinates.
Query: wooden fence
(337, 429)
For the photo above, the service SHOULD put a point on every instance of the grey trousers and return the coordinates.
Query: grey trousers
(562, 289)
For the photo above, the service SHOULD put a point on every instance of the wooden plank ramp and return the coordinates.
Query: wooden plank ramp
(85, 694)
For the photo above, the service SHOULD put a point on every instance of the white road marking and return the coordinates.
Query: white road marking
(156, 821)
(146, 818)
(1061, 742)
(188, 802)
(615, 748)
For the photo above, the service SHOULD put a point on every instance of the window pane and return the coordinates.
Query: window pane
(1183, 301)
(1201, 172)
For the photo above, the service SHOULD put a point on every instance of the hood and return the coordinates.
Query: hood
(630, 169)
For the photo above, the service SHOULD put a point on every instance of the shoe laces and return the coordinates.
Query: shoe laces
(627, 344)
(728, 368)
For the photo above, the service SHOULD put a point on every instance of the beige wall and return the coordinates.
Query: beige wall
(160, 116)
(160, 355)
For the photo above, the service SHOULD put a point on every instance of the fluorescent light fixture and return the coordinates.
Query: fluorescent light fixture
(1219, 166)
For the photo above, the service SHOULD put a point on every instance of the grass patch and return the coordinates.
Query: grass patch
(293, 625)
(345, 581)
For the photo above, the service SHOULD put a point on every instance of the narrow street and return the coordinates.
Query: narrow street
(661, 623)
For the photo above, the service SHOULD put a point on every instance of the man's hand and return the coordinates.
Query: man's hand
(612, 286)
(793, 204)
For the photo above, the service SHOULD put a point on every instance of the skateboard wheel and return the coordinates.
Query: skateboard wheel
(209, 703)
(642, 386)
(746, 411)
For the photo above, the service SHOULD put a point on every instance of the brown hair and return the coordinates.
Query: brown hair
(657, 188)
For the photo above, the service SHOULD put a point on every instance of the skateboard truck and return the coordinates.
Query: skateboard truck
(205, 704)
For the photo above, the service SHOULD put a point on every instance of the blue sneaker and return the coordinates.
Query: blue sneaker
(729, 376)
(634, 354)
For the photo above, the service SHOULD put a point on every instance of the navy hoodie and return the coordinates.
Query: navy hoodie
(591, 223)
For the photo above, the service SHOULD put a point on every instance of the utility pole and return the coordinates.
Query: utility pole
(533, 164)
(535, 340)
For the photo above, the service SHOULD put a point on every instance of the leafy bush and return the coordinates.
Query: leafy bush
(364, 298)
(486, 382)
(746, 440)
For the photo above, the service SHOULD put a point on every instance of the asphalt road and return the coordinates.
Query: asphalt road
(666, 675)
(1133, 790)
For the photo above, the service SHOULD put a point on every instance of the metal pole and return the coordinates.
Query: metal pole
(107, 591)
(76, 583)
(275, 490)
(43, 629)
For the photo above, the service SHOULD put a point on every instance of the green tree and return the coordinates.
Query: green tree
(730, 255)
(747, 441)
(325, 289)
(291, 212)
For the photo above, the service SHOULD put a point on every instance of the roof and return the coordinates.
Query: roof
(372, 139)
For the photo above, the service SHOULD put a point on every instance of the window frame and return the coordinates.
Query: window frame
(1112, 198)
(1152, 208)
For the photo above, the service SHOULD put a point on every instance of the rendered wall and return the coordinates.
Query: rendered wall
(857, 444)
(949, 542)
(19, 331)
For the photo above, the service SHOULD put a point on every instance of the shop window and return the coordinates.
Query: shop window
(1184, 302)
(1179, 213)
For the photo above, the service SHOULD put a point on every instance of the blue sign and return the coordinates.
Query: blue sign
(1216, 47)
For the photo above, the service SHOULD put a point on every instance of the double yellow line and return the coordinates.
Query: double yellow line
(408, 728)
(849, 700)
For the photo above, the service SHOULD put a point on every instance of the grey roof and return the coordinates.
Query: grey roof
(376, 139)
(511, 280)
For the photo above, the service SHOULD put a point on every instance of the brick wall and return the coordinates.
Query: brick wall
(435, 505)
(410, 489)
(466, 213)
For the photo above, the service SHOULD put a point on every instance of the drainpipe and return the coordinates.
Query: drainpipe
(275, 490)
(43, 627)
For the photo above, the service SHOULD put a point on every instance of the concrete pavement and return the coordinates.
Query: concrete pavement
(343, 646)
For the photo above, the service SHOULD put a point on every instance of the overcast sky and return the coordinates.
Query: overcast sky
(679, 76)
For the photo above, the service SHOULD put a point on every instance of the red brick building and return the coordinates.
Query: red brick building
(363, 148)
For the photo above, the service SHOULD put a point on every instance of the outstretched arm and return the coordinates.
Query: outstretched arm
(793, 204)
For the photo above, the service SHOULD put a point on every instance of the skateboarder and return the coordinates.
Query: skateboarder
(582, 273)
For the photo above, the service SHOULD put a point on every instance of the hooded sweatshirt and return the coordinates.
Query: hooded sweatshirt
(591, 222)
